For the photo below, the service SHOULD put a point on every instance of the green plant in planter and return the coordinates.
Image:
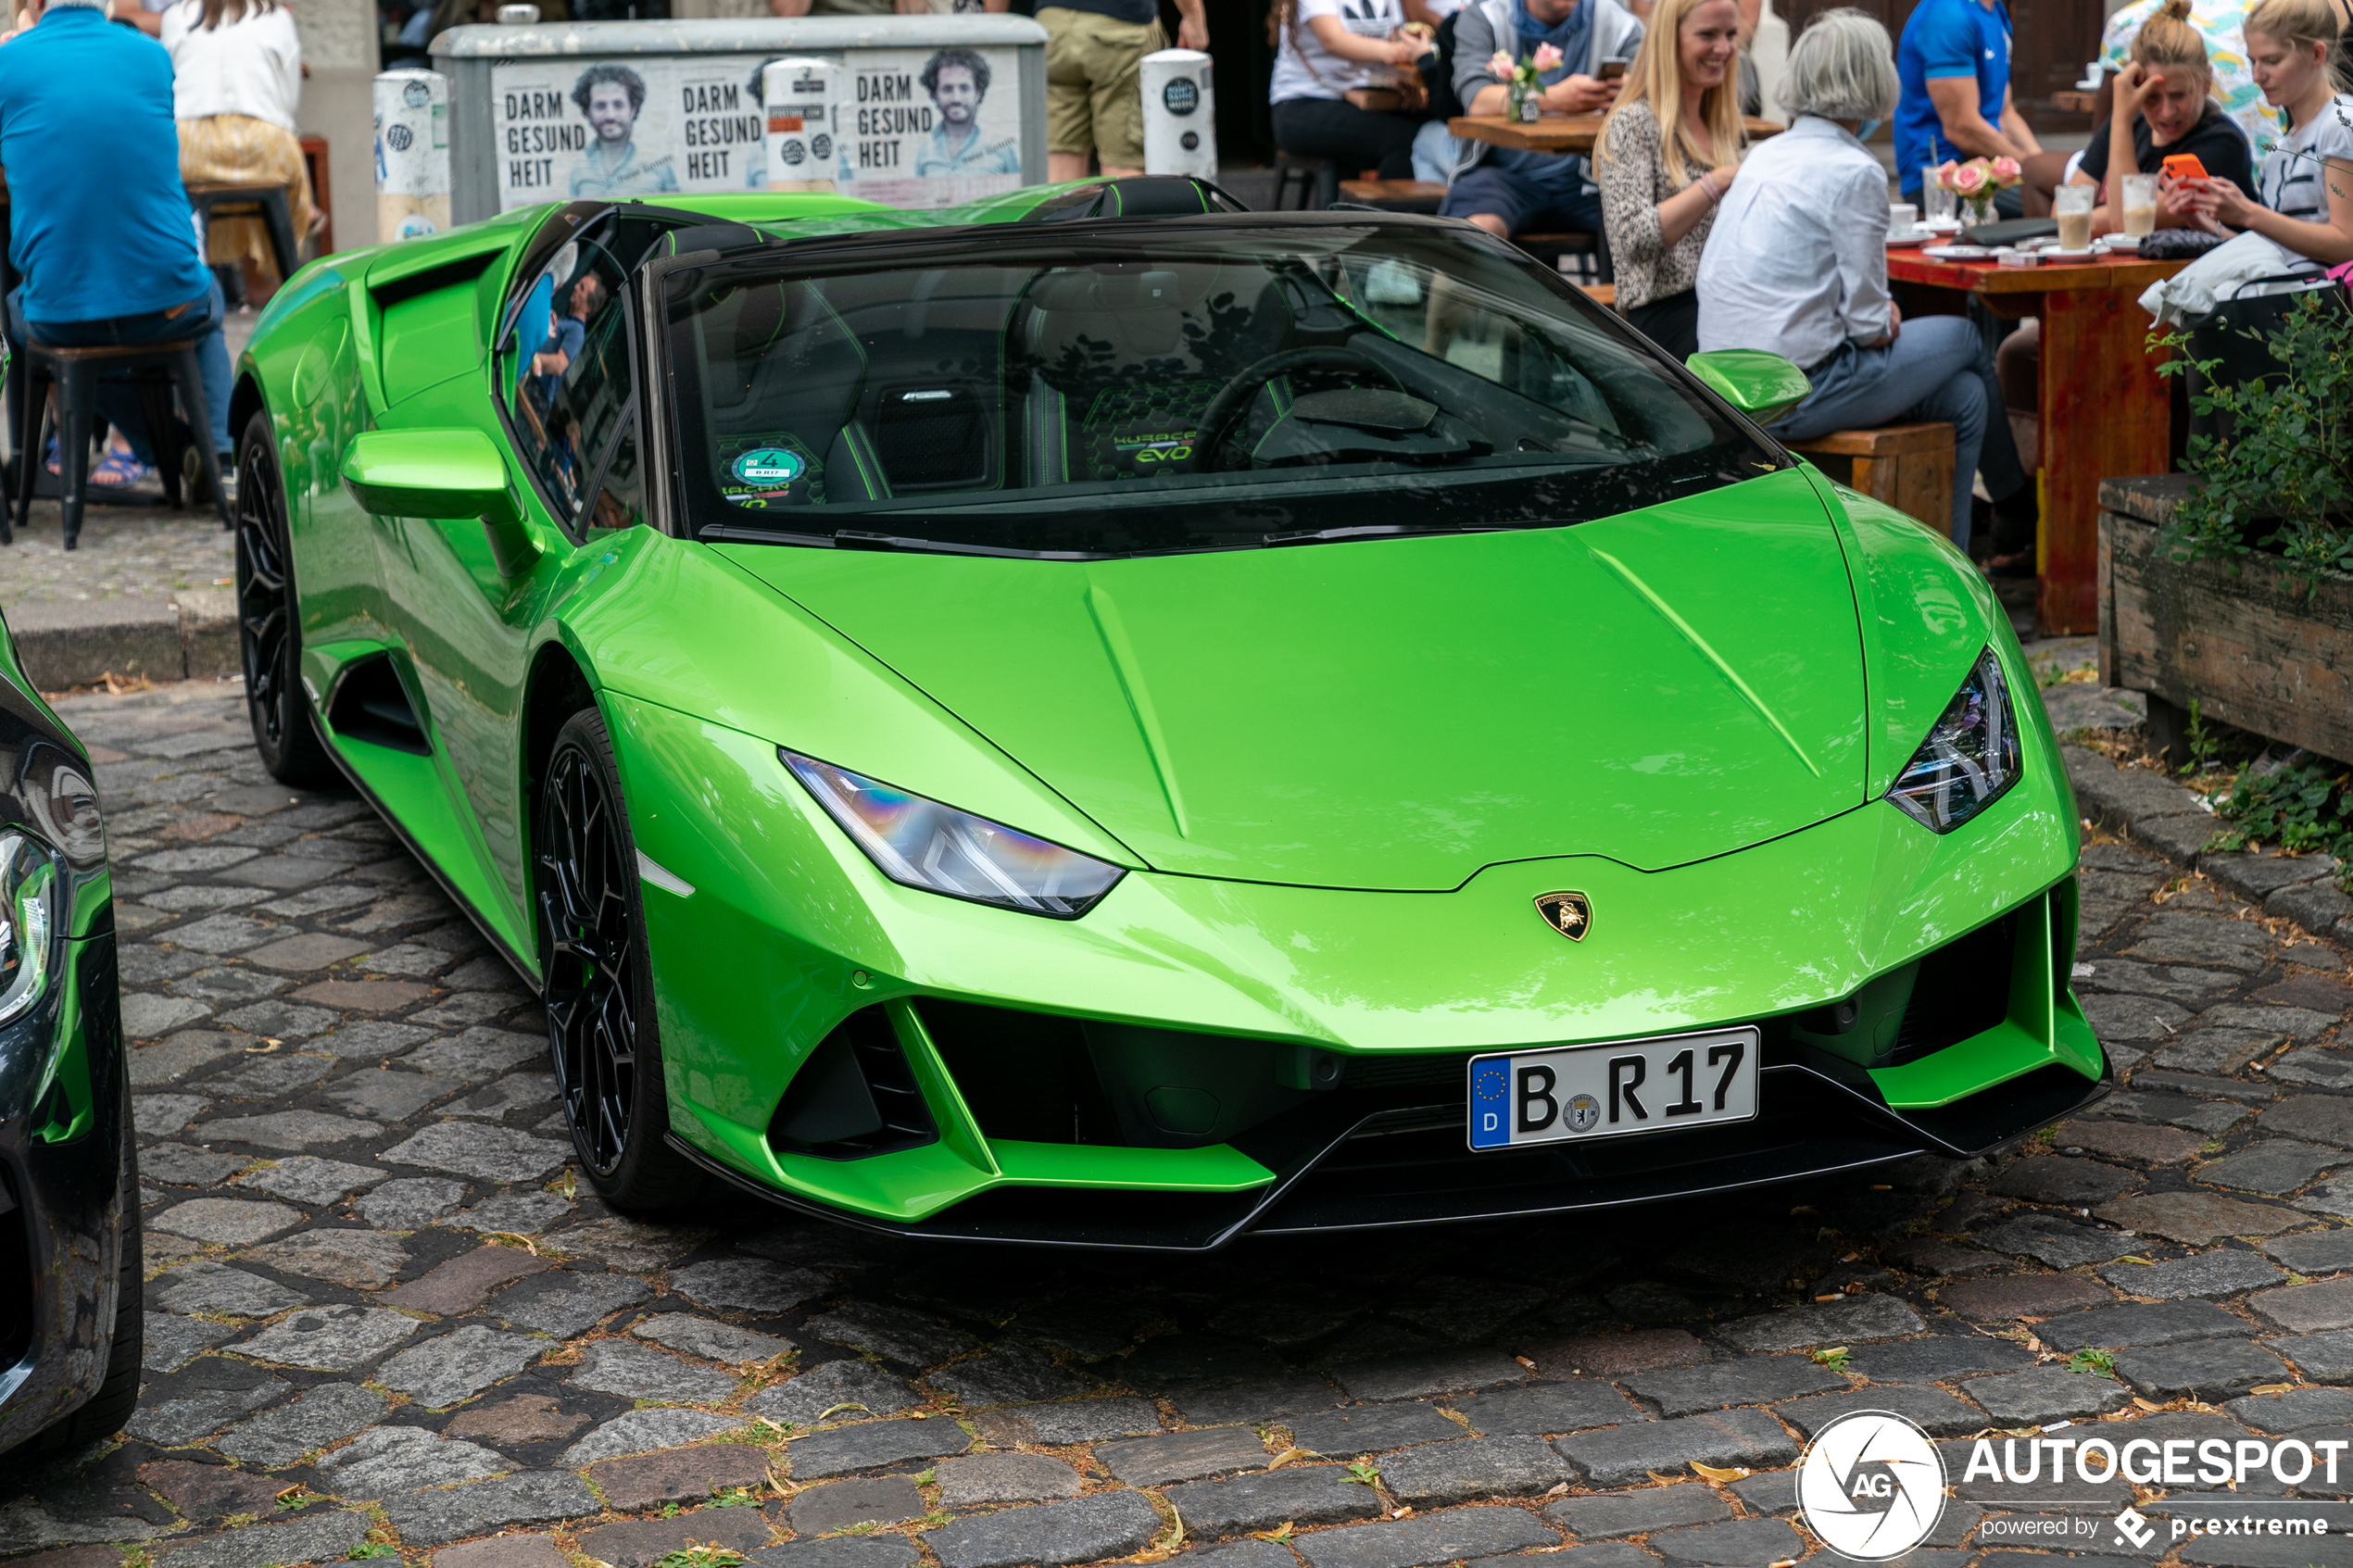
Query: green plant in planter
(2305, 806)
(2282, 478)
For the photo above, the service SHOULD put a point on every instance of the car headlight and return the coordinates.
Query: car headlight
(920, 843)
(1969, 758)
(31, 921)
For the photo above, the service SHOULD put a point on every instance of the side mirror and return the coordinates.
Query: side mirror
(441, 473)
(1764, 387)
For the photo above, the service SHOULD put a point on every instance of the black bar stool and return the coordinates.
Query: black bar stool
(265, 202)
(1318, 179)
(153, 368)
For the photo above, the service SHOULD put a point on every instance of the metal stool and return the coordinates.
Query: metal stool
(1317, 179)
(155, 368)
(265, 202)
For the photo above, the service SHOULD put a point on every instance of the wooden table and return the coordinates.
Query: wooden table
(2104, 408)
(2075, 101)
(1561, 133)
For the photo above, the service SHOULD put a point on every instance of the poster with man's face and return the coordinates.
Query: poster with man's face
(578, 130)
(909, 128)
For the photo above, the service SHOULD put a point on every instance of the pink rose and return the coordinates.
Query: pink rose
(2006, 169)
(1548, 58)
(1970, 178)
(1499, 65)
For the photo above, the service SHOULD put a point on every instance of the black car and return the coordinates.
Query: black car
(70, 1254)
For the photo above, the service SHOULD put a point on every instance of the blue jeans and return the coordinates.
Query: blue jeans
(1936, 368)
(117, 402)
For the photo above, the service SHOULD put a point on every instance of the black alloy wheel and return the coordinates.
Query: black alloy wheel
(599, 981)
(268, 621)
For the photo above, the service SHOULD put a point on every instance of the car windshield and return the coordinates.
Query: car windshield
(1190, 387)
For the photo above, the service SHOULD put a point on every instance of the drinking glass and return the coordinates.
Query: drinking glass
(2140, 205)
(1943, 205)
(2072, 204)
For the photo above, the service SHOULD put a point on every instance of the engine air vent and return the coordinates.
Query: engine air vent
(854, 1098)
(372, 704)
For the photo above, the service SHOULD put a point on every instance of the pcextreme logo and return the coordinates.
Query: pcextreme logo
(1871, 1485)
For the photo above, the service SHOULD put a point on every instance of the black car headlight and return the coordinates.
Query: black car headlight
(921, 843)
(1969, 758)
(33, 920)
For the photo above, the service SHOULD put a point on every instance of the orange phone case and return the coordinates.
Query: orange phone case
(2185, 165)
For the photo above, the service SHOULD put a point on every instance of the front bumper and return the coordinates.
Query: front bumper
(790, 951)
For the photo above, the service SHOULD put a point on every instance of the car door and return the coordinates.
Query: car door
(565, 389)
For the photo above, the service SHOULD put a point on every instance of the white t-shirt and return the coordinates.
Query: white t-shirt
(252, 65)
(1306, 70)
(2290, 180)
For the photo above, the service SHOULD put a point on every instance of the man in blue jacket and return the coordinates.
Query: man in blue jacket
(99, 225)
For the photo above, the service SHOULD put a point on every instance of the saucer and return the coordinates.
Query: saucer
(1916, 235)
(1958, 253)
(2089, 252)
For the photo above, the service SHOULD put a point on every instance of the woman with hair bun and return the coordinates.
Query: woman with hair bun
(2304, 193)
(2164, 108)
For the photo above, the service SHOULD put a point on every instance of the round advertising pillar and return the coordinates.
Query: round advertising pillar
(413, 154)
(1180, 114)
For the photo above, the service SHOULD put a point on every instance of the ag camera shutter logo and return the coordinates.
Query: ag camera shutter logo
(1872, 1486)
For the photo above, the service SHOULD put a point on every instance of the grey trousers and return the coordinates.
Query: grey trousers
(1936, 368)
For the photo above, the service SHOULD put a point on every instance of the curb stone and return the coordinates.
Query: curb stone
(2155, 812)
(192, 635)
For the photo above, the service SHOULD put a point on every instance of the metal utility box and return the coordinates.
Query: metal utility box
(920, 111)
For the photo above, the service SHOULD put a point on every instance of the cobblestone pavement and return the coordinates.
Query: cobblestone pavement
(385, 1320)
(149, 552)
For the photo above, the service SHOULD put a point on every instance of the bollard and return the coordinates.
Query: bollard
(1180, 114)
(798, 92)
(413, 154)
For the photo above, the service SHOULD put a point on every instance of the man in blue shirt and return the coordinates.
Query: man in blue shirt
(99, 226)
(1954, 63)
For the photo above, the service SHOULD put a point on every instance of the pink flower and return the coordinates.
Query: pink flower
(1945, 171)
(1548, 58)
(2006, 169)
(1971, 178)
(1499, 65)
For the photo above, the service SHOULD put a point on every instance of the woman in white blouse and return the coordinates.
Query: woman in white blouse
(1796, 264)
(236, 80)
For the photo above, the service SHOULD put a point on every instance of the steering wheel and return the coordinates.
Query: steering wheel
(1234, 396)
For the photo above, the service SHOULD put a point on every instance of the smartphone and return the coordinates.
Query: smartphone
(1614, 70)
(2185, 165)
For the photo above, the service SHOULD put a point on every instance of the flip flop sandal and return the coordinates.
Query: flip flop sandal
(119, 470)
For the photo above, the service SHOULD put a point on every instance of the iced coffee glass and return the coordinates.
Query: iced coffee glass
(2072, 204)
(2140, 205)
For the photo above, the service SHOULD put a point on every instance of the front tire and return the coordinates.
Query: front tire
(270, 621)
(601, 1030)
(102, 1414)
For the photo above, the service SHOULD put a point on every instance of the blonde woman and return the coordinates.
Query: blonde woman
(1661, 187)
(2306, 184)
(236, 69)
(2164, 108)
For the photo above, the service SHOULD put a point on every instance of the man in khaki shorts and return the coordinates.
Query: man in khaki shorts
(1094, 103)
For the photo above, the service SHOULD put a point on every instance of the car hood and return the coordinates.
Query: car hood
(1657, 687)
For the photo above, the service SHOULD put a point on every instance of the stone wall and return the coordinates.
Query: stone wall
(339, 46)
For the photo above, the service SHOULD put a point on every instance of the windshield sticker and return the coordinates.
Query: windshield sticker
(766, 471)
(767, 465)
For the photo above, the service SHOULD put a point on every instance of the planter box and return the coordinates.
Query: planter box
(2255, 646)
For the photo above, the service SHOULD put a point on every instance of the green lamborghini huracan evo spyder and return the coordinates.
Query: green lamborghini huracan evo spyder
(1105, 718)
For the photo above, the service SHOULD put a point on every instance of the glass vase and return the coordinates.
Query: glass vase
(1977, 210)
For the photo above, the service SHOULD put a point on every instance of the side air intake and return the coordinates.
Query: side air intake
(855, 1095)
(372, 704)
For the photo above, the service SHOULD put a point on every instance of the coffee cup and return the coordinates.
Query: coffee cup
(1902, 216)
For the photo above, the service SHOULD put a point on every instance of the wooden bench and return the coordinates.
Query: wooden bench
(1604, 295)
(1909, 467)
(1394, 196)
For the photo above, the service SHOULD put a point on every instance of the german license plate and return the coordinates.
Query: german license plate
(1582, 1092)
